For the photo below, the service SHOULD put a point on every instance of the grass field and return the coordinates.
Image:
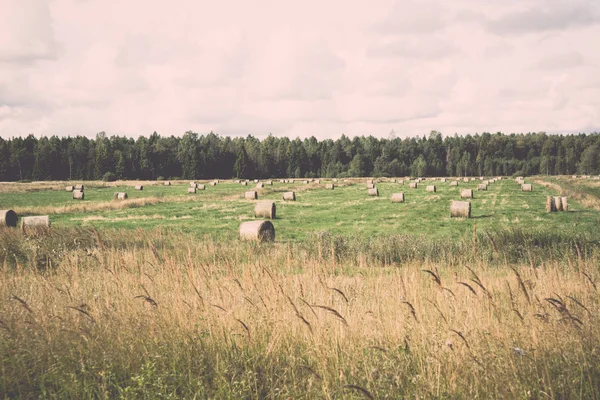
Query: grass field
(156, 297)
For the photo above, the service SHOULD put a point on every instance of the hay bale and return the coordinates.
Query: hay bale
(330, 186)
(460, 209)
(251, 195)
(289, 196)
(370, 182)
(265, 209)
(191, 190)
(481, 178)
(466, 194)
(370, 186)
(526, 187)
(564, 203)
(244, 183)
(193, 184)
(443, 180)
(139, 187)
(260, 185)
(413, 185)
(77, 195)
(70, 188)
(201, 187)
(430, 188)
(557, 203)
(306, 182)
(270, 183)
(256, 181)
(374, 192)
(465, 179)
(400, 182)
(317, 181)
(78, 187)
(550, 204)
(454, 183)
(574, 177)
(167, 183)
(36, 222)
(398, 198)
(282, 181)
(261, 231)
(482, 186)
(120, 196)
(213, 183)
(8, 218)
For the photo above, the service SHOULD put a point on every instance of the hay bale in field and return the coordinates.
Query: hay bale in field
(282, 181)
(193, 184)
(120, 196)
(269, 182)
(430, 188)
(244, 183)
(443, 180)
(261, 231)
(370, 186)
(574, 177)
(139, 187)
(251, 195)
(398, 198)
(78, 187)
(481, 178)
(191, 190)
(8, 218)
(237, 181)
(317, 181)
(550, 204)
(557, 203)
(167, 183)
(465, 179)
(526, 187)
(564, 203)
(482, 186)
(265, 209)
(454, 183)
(370, 182)
(260, 185)
(374, 192)
(256, 181)
(36, 222)
(330, 186)
(413, 185)
(77, 195)
(306, 182)
(201, 187)
(466, 194)
(401, 182)
(70, 188)
(213, 183)
(289, 196)
(460, 209)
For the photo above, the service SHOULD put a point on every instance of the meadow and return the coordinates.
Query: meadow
(358, 297)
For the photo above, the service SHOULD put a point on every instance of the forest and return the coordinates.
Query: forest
(196, 156)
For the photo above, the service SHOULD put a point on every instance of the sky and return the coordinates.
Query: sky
(305, 68)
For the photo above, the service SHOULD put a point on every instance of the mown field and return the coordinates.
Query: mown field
(156, 297)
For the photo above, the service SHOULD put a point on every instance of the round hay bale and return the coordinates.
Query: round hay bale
(260, 185)
(526, 187)
(78, 187)
(466, 194)
(443, 180)
(465, 179)
(413, 185)
(558, 203)
(401, 182)
(481, 178)
(244, 183)
(167, 183)
(77, 195)
(256, 181)
(550, 204)
(237, 181)
(334, 180)
(251, 195)
(374, 192)
(482, 186)
(317, 181)
(398, 198)
(217, 181)
(120, 196)
(330, 186)
(269, 182)
(289, 196)
(70, 188)
(193, 184)
(370, 182)
(306, 182)
(139, 187)
(430, 188)
(213, 183)
(265, 209)
(191, 190)
(454, 183)
(201, 187)
(8, 218)
(370, 186)
(564, 203)
(261, 231)
(460, 209)
(282, 181)
(36, 222)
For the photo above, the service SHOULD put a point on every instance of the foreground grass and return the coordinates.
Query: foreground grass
(160, 314)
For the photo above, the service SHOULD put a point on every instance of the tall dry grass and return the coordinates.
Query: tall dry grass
(161, 315)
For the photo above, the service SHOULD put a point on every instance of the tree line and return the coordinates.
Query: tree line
(195, 156)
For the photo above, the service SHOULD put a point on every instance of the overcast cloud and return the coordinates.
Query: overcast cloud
(298, 68)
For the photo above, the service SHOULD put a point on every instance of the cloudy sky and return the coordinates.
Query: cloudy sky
(298, 68)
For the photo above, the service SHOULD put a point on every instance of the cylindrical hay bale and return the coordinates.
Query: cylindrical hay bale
(78, 187)
(370, 186)
(201, 187)
(306, 182)
(256, 181)
(401, 181)
(430, 188)
(454, 183)
(413, 185)
(460, 209)
(262, 231)
(251, 195)
(526, 187)
(443, 180)
(282, 181)
(481, 178)
(167, 183)
(260, 185)
(193, 184)
(370, 182)
(289, 196)
(564, 203)
(78, 195)
(217, 181)
(550, 204)
(465, 179)
(374, 192)
(330, 186)
(120, 195)
(191, 190)
(70, 188)
(558, 203)
(41, 221)
(265, 209)
(270, 183)
(317, 181)
(398, 198)
(213, 183)
(244, 183)
(8, 218)
(482, 186)
(139, 187)
(466, 194)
